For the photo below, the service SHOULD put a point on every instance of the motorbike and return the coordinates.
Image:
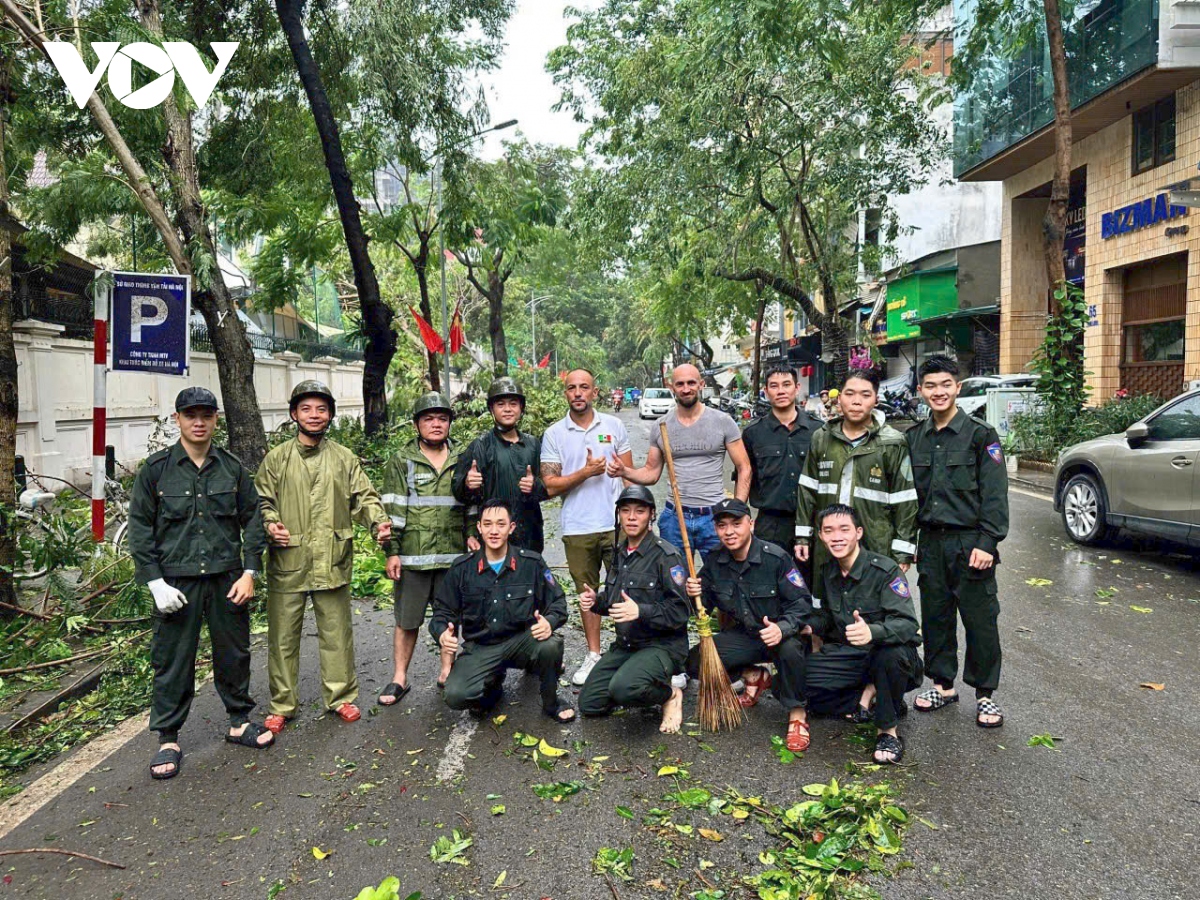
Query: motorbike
(899, 405)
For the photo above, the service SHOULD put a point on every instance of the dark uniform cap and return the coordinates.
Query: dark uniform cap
(432, 402)
(504, 387)
(195, 396)
(731, 507)
(312, 389)
(636, 493)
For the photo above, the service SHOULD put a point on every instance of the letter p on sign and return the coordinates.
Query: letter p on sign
(138, 305)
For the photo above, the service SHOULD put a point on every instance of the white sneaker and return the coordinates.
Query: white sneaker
(679, 681)
(585, 669)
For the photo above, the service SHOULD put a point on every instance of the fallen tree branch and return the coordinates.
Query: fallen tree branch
(56, 662)
(77, 855)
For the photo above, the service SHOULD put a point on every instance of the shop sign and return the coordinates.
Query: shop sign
(1139, 215)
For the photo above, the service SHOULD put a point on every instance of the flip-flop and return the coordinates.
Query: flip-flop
(986, 706)
(560, 707)
(166, 756)
(396, 691)
(798, 736)
(250, 735)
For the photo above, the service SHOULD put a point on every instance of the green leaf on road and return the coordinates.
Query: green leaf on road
(1043, 740)
(1038, 582)
(452, 849)
(558, 791)
(624, 812)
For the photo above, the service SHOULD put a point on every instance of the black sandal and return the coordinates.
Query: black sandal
(986, 706)
(166, 756)
(862, 715)
(560, 707)
(887, 743)
(935, 698)
(250, 735)
(394, 690)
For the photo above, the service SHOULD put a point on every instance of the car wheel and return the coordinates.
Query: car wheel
(1083, 511)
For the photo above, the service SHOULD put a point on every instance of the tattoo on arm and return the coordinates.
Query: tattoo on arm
(551, 469)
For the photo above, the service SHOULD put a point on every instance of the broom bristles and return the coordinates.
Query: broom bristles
(719, 708)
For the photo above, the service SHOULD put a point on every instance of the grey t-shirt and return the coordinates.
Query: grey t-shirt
(699, 453)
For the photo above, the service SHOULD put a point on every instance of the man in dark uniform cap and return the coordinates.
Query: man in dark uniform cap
(644, 594)
(962, 492)
(501, 606)
(766, 602)
(869, 628)
(504, 463)
(197, 540)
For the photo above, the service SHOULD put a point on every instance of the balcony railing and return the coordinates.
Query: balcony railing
(1010, 98)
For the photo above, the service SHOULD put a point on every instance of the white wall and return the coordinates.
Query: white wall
(54, 378)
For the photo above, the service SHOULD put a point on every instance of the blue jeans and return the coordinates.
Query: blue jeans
(702, 534)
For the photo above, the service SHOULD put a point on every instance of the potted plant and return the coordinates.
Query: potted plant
(1011, 456)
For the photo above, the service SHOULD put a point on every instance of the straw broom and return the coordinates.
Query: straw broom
(719, 707)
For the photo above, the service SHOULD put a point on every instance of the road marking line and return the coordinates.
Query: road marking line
(454, 759)
(69, 771)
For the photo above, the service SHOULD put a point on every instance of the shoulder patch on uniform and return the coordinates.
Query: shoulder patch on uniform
(996, 453)
(549, 576)
(797, 579)
(677, 575)
(900, 587)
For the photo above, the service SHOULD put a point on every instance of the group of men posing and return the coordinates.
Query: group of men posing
(839, 507)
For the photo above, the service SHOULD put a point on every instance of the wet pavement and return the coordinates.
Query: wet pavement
(1113, 811)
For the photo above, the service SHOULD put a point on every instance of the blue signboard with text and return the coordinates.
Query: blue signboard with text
(150, 323)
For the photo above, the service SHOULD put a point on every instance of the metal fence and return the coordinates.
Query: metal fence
(268, 344)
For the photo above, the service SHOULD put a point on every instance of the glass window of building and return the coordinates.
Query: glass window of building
(1154, 135)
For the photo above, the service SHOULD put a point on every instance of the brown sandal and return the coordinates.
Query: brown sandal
(754, 689)
(798, 736)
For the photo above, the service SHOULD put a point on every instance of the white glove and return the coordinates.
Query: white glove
(166, 598)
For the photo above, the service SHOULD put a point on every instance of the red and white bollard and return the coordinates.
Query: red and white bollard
(101, 295)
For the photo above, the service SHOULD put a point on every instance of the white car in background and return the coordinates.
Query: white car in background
(972, 398)
(655, 402)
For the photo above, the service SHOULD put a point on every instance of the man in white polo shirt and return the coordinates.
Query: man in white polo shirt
(575, 453)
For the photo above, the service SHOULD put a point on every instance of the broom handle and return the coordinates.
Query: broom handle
(687, 545)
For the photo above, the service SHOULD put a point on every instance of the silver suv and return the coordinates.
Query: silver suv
(1144, 480)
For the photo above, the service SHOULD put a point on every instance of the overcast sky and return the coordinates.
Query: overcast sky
(521, 88)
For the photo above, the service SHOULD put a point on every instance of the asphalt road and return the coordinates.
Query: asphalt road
(1112, 812)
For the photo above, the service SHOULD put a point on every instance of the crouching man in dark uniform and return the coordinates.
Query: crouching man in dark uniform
(869, 629)
(197, 540)
(644, 594)
(502, 607)
(758, 587)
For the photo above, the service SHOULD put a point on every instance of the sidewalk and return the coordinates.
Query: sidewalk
(1034, 480)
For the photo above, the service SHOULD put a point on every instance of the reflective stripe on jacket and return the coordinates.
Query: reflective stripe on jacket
(427, 520)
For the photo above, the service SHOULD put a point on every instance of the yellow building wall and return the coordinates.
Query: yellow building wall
(1110, 186)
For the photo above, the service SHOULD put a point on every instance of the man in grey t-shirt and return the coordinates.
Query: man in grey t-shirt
(700, 437)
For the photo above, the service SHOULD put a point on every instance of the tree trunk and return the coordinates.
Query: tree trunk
(760, 311)
(1054, 224)
(495, 298)
(8, 371)
(235, 359)
(376, 315)
(421, 267)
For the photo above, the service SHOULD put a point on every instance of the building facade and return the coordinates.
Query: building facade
(1135, 83)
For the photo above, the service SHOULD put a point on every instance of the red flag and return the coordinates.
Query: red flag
(457, 336)
(545, 361)
(433, 341)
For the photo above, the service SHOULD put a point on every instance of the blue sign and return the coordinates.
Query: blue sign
(1139, 215)
(150, 323)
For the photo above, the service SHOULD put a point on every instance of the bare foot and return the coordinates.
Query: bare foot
(672, 719)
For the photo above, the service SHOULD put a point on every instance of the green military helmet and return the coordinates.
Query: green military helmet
(432, 401)
(192, 397)
(312, 388)
(505, 387)
(637, 493)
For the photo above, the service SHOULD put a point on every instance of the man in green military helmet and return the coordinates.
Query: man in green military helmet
(196, 538)
(313, 491)
(505, 463)
(427, 531)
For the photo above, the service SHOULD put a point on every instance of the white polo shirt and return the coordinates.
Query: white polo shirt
(591, 507)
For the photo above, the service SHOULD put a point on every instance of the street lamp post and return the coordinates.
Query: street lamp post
(437, 172)
(532, 304)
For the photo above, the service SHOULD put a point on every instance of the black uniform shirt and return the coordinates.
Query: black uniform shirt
(766, 583)
(502, 464)
(653, 576)
(777, 459)
(875, 587)
(961, 479)
(189, 521)
(487, 607)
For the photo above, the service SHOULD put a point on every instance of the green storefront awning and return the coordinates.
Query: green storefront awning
(917, 298)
